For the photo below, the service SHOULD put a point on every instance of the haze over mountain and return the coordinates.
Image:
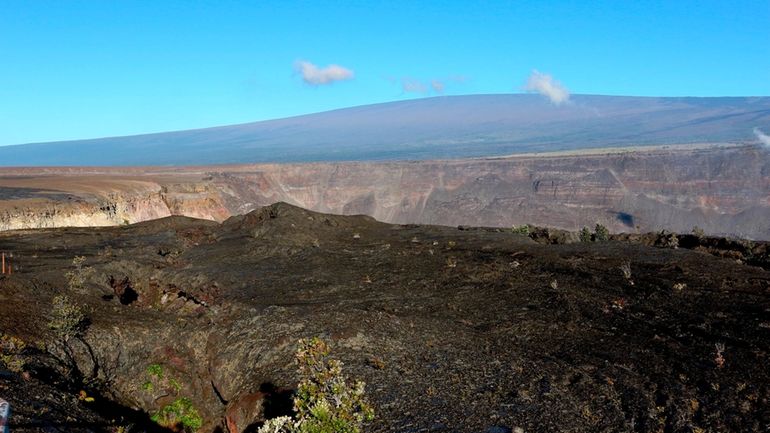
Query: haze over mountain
(430, 128)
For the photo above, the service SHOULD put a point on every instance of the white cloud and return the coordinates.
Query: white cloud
(762, 137)
(410, 85)
(438, 86)
(315, 76)
(545, 85)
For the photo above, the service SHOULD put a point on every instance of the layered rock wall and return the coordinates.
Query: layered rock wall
(722, 189)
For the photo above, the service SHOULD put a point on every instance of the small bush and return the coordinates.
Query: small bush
(667, 240)
(698, 232)
(77, 277)
(179, 414)
(155, 370)
(325, 401)
(585, 235)
(10, 352)
(67, 319)
(625, 269)
(601, 234)
(521, 230)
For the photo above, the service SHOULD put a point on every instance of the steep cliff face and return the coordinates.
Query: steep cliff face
(723, 190)
(99, 200)
(81, 209)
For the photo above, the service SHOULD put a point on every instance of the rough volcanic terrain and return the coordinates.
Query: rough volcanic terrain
(454, 329)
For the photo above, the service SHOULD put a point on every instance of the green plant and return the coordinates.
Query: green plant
(325, 401)
(521, 230)
(68, 323)
(155, 370)
(179, 414)
(667, 240)
(67, 319)
(698, 232)
(601, 234)
(585, 235)
(175, 384)
(10, 352)
(77, 277)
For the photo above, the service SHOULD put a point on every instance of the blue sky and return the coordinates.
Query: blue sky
(82, 69)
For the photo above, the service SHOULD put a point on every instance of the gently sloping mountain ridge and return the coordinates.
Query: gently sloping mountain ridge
(430, 128)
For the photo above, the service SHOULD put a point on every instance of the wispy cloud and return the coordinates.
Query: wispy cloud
(438, 86)
(435, 85)
(316, 76)
(545, 85)
(762, 137)
(411, 85)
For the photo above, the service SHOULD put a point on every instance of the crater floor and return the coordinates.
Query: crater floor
(453, 329)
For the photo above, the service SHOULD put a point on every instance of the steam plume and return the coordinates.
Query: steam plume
(762, 137)
(545, 85)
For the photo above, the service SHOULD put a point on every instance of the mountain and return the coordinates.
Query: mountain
(429, 128)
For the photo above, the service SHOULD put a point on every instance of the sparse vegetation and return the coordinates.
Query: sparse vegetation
(67, 319)
(77, 277)
(585, 235)
(522, 229)
(179, 414)
(155, 370)
(667, 239)
(719, 351)
(698, 232)
(601, 234)
(325, 401)
(10, 352)
(679, 286)
(625, 268)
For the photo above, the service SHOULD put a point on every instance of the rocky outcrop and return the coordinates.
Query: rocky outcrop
(723, 190)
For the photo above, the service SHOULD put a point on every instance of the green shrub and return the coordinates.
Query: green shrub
(698, 232)
(179, 414)
(325, 401)
(601, 234)
(155, 370)
(521, 230)
(585, 235)
(67, 319)
(667, 239)
(10, 352)
(77, 277)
